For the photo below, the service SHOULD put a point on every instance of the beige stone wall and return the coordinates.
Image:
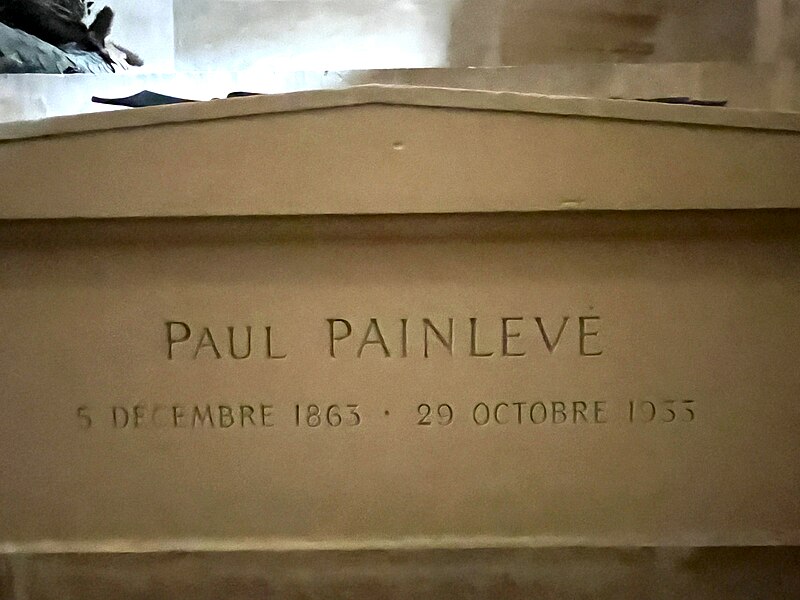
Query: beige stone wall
(790, 30)
(510, 32)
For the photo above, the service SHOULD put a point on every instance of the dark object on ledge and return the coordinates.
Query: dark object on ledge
(49, 36)
(141, 100)
(243, 94)
(685, 100)
(148, 98)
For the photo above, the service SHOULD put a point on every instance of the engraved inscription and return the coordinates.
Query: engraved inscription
(426, 337)
(237, 343)
(314, 415)
(441, 414)
(333, 416)
(511, 337)
(208, 416)
(504, 337)
(538, 413)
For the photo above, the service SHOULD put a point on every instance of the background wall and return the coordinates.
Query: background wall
(359, 34)
(292, 35)
(311, 34)
(743, 50)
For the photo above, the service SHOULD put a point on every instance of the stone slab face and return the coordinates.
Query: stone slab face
(581, 379)
(387, 318)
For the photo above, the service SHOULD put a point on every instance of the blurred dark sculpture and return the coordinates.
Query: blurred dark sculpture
(51, 36)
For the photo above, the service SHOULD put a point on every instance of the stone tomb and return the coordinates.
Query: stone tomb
(482, 326)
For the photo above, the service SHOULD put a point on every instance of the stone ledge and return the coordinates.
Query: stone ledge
(6, 580)
(700, 573)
